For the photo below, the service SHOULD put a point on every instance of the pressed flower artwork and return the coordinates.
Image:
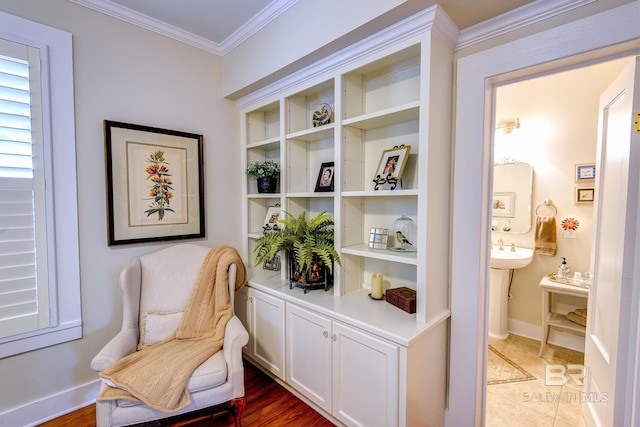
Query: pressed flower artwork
(155, 184)
(157, 191)
(160, 191)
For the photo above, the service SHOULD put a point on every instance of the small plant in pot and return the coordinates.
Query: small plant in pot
(309, 246)
(267, 173)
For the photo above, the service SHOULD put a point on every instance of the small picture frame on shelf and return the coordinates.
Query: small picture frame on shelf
(325, 177)
(503, 204)
(272, 264)
(585, 195)
(271, 223)
(586, 172)
(392, 163)
(378, 238)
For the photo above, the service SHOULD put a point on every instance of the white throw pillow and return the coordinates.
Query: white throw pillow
(155, 326)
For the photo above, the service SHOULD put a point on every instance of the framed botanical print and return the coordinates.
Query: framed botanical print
(155, 186)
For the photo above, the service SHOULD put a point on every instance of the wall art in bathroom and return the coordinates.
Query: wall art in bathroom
(503, 204)
(585, 172)
(585, 195)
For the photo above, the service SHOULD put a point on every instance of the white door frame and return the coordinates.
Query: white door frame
(606, 35)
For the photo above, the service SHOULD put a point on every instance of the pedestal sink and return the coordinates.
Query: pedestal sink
(502, 262)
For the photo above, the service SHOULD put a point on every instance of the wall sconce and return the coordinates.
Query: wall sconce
(508, 126)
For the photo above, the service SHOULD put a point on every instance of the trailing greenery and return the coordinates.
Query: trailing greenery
(266, 169)
(302, 238)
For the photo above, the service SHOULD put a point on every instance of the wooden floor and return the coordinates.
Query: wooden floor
(268, 404)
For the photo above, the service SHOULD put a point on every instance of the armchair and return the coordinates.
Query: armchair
(156, 289)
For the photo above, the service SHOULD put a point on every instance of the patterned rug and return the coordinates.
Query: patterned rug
(502, 370)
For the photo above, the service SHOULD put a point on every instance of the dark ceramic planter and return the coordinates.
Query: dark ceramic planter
(267, 185)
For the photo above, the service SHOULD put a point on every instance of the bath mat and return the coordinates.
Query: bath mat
(502, 370)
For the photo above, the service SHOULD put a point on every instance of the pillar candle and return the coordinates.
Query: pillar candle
(376, 286)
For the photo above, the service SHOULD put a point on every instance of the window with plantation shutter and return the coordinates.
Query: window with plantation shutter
(39, 253)
(24, 293)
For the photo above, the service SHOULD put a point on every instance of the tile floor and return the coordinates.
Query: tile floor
(532, 403)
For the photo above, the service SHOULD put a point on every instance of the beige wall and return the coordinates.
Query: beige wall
(559, 117)
(128, 74)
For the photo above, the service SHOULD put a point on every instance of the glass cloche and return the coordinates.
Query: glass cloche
(404, 234)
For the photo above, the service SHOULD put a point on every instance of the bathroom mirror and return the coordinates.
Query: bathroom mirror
(512, 190)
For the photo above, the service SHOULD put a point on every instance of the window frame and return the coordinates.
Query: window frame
(58, 124)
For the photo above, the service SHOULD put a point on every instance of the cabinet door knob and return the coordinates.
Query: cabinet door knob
(325, 334)
(334, 337)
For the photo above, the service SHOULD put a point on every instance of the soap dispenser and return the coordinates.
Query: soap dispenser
(563, 269)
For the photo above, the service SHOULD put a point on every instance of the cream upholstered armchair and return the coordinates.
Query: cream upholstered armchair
(156, 289)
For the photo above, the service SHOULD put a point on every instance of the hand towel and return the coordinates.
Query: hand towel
(575, 317)
(545, 237)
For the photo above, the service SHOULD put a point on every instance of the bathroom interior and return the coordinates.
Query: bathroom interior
(549, 123)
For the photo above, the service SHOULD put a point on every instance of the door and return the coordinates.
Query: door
(612, 325)
(267, 324)
(309, 355)
(365, 379)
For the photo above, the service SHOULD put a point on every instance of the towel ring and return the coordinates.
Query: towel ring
(547, 203)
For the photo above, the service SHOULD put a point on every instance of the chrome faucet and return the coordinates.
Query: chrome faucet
(501, 243)
(513, 247)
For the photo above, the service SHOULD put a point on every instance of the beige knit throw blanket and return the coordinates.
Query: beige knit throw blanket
(158, 374)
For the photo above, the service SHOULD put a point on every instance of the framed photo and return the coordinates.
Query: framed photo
(392, 162)
(272, 264)
(585, 195)
(325, 177)
(503, 204)
(586, 172)
(271, 223)
(378, 238)
(155, 185)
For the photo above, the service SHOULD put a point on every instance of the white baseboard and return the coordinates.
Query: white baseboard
(51, 407)
(560, 338)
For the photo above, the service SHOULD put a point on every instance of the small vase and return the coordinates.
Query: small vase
(267, 185)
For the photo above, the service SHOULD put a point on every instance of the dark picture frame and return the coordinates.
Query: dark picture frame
(155, 184)
(585, 195)
(324, 181)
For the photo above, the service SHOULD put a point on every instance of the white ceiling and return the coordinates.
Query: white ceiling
(225, 23)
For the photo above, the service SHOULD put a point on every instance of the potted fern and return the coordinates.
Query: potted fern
(309, 246)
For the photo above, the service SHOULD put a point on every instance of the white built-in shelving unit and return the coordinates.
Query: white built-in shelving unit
(393, 90)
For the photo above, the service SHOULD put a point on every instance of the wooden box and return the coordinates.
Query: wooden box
(403, 298)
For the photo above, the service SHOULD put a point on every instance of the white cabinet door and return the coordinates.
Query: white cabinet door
(267, 338)
(309, 355)
(365, 379)
(242, 309)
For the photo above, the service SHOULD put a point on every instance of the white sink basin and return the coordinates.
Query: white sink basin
(506, 259)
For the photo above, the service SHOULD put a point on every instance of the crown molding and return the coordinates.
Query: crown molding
(256, 23)
(518, 18)
(264, 17)
(431, 18)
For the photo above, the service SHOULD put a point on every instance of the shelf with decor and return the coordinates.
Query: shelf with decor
(391, 111)
(381, 139)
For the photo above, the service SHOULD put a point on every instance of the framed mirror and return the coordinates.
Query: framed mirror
(512, 192)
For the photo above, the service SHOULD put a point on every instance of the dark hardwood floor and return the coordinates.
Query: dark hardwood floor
(268, 404)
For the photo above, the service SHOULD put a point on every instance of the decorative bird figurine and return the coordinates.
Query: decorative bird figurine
(402, 239)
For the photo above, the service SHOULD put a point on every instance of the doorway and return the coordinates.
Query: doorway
(558, 48)
(558, 119)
